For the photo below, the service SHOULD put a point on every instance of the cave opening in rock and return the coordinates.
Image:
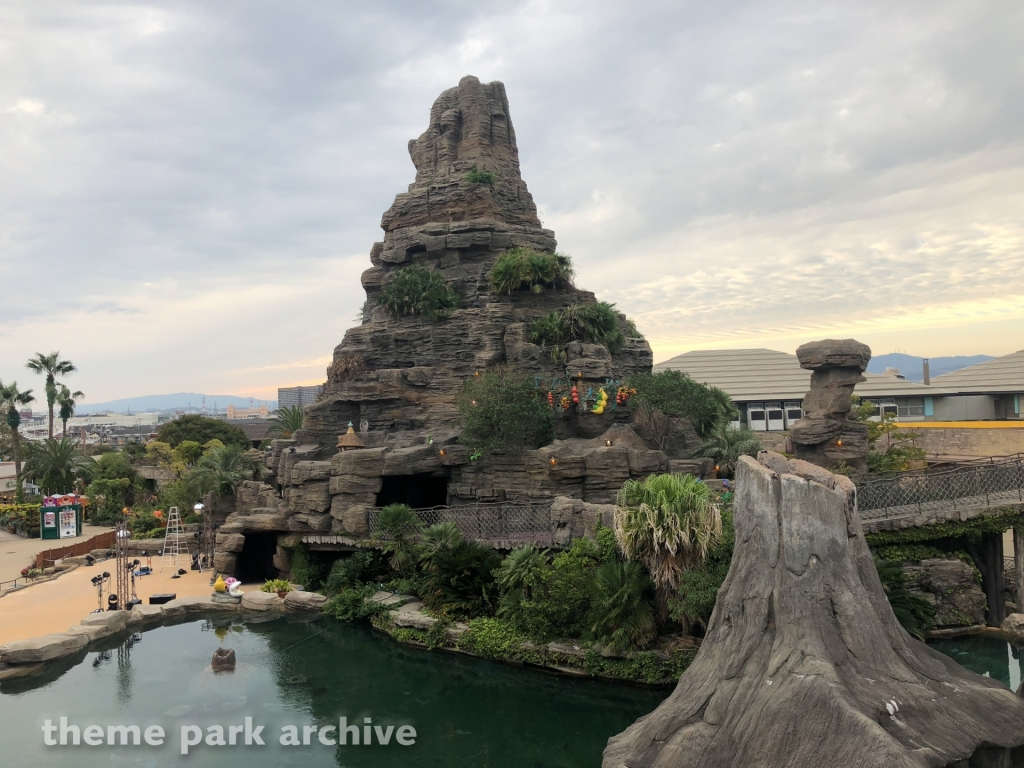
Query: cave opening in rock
(256, 560)
(417, 491)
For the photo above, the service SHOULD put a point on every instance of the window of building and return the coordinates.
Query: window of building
(910, 406)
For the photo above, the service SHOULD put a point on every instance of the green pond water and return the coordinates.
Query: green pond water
(997, 659)
(466, 712)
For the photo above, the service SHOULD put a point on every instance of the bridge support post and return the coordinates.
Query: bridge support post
(1018, 565)
(988, 556)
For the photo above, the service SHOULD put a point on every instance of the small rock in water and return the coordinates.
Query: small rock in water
(178, 711)
(223, 660)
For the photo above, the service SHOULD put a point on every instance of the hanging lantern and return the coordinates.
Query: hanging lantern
(553, 461)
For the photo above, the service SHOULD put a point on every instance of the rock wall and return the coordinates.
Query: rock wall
(952, 587)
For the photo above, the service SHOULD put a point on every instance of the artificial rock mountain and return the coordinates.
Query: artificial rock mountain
(401, 376)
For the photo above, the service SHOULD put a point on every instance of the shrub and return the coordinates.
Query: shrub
(416, 290)
(665, 399)
(397, 527)
(593, 323)
(523, 268)
(503, 410)
(556, 598)
(460, 580)
(621, 613)
(308, 568)
(350, 603)
(477, 176)
(694, 601)
(276, 585)
(345, 367)
(357, 568)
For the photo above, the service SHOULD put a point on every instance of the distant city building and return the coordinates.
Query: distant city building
(247, 413)
(301, 396)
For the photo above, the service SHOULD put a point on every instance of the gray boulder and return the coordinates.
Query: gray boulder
(44, 648)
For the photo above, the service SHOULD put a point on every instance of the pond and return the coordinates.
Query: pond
(987, 656)
(466, 712)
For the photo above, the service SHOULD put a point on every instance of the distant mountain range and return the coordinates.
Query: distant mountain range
(911, 366)
(177, 401)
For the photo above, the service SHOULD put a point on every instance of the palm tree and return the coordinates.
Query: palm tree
(11, 400)
(286, 421)
(667, 522)
(223, 469)
(56, 463)
(621, 613)
(398, 527)
(726, 444)
(52, 367)
(729, 411)
(66, 400)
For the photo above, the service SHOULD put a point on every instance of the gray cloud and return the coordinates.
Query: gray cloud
(190, 189)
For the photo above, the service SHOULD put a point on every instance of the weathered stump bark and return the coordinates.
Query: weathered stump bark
(805, 665)
(988, 556)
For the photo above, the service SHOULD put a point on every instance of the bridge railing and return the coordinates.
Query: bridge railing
(493, 522)
(970, 486)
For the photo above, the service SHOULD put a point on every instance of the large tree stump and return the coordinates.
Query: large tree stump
(805, 665)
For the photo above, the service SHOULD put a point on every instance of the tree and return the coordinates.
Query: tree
(12, 400)
(66, 401)
(56, 463)
(52, 367)
(222, 470)
(397, 530)
(188, 451)
(286, 421)
(665, 400)
(889, 448)
(502, 410)
(669, 523)
(201, 429)
(621, 614)
(726, 444)
(6, 440)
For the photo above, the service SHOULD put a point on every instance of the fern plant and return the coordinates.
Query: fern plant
(593, 323)
(416, 290)
(523, 269)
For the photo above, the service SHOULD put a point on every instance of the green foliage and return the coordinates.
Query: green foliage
(286, 421)
(726, 444)
(607, 543)
(669, 523)
(592, 323)
(201, 429)
(189, 451)
(555, 598)
(223, 469)
(57, 463)
(108, 499)
(145, 525)
(644, 667)
(363, 566)
(22, 519)
(477, 176)
(694, 601)
(499, 640)
(350, 603)
(182, 493)
(503, 410)
(967, 529)
(910, 553)
(621, 612)
(665, 399)
(52, 367)
(436, 537)
(416, 290)
(276, 585)
(460, 580)
(889, 448)
(397, 527)
(522, 269)
(308, 569)
(913, 611)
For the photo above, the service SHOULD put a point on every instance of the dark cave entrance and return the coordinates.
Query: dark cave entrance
(256, 560)
(417, 491)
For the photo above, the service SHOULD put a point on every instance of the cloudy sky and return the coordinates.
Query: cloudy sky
(189, 190)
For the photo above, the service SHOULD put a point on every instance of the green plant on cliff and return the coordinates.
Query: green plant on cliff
(726, 444)
(889, 448)
(591, 323)
(526, 269)
(477, 176)
(694, 601)
(502, 410)
(666, 399)
(416, 290)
